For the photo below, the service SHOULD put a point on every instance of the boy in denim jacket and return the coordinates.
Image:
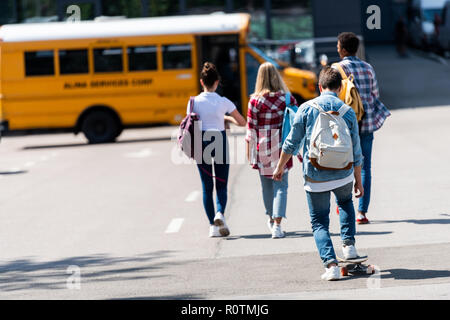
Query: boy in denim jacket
(319, 183)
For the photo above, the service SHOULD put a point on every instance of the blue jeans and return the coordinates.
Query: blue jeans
(220, 163)
(275, 196)
(366, 147)
(319, 210)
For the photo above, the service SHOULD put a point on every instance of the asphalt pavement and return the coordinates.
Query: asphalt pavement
(125, 220)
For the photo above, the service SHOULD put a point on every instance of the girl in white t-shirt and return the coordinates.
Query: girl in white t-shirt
(213, 110)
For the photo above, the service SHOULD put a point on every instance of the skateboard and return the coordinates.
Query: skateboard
(355, 266)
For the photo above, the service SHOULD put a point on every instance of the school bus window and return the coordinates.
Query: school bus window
(177, 56)
(142, 58)
(39, 63)
(108, 60)
(73, 61)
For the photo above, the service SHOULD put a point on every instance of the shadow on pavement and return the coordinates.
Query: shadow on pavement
(25, 274)
(415, 221)
(54, 146)
(302, 234)
(413, 274)
(172, 297)
(13, 172)
(124, 141)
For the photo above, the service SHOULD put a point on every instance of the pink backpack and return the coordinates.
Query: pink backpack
(189, 131)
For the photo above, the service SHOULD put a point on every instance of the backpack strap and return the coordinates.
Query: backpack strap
(343, 109)
(191, 104)
(316, 105)
(288, 99)
(339, 68)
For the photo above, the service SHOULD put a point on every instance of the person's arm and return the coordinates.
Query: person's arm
(278, 173)
(247, 150)
(293, 140)
(230, 119)
(354, 133)
(357, 156)
(236, 118)
(359, 189)
(252, 124)
(233, 114)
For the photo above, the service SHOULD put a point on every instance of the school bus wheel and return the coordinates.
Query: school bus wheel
(100, 126)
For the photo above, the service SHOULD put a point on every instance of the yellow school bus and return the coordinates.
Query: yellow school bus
(99, 77)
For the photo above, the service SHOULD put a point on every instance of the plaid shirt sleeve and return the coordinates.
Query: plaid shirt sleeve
(374, 85)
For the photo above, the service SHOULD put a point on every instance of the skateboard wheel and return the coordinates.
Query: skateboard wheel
(371, 269)
(344, 271)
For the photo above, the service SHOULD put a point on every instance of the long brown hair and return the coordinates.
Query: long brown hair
(268, 80)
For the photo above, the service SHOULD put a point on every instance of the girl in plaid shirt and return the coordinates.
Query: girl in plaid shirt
(264, 122)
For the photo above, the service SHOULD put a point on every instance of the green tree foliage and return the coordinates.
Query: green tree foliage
(284, 24)
(128, 8)
(163, 8)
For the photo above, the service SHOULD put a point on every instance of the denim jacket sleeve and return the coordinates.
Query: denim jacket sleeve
(297, 133)
(354, 132)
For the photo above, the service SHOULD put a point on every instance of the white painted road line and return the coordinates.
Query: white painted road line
(174, 225)
(140, 154)
(193, 196)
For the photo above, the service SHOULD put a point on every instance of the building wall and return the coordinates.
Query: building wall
(8, 12)
(332, 17)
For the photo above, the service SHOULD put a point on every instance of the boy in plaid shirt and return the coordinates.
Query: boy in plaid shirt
(375, 113)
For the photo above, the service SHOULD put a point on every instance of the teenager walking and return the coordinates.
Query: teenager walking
(213, 110)
(375, 113)
(320, 177)
(264, 123)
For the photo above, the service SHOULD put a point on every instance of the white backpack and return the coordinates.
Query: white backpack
(331, 145)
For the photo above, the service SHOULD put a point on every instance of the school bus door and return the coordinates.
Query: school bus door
(223, 51)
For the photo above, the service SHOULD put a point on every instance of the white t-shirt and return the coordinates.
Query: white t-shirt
(210, 108)
(328, 185)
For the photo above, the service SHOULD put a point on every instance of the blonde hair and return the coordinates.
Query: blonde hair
(268, 80)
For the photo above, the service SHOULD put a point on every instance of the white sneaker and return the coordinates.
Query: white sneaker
(219, 221)
(349, 252)
(270, 223)
(214, 232)
(277, 232)
(332, 273)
